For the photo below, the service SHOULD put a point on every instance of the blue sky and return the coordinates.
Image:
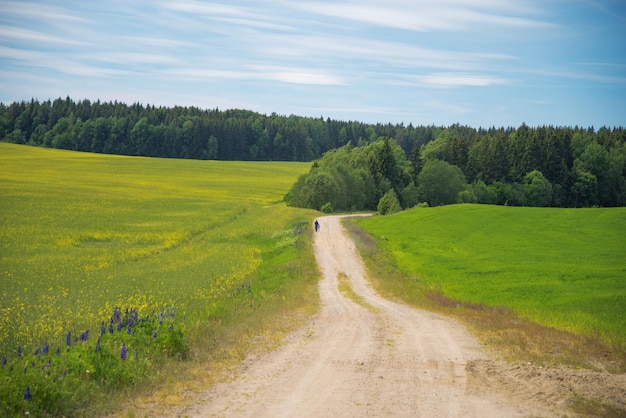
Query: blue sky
(474, 62)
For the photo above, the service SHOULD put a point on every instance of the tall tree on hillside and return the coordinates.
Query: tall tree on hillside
(595, 160)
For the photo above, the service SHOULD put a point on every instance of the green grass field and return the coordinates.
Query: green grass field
(564, 268)
(83, 233)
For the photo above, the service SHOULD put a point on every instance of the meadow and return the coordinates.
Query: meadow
(562, 268)
(89, 241)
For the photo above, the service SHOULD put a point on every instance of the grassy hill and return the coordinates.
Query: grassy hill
(564, 268)
(199, 245)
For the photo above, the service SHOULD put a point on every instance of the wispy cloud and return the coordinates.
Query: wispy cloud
(422, 60)
(422, 16)
(40, 12)
(291, 75)
(27, 35)
(449, 80)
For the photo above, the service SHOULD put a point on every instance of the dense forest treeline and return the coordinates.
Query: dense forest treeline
(572, 166)
(186, 132)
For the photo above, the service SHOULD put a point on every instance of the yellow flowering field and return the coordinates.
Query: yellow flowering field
(82, 234)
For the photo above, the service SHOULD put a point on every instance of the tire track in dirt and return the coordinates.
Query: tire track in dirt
(350, 361)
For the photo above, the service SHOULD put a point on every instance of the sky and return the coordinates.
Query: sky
(479, 63)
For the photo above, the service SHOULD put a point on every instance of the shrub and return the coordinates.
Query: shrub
(389, 203)
(440, 182)
(327, 207)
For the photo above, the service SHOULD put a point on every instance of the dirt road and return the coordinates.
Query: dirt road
(377, 358)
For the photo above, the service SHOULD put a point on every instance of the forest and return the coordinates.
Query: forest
(531, 166)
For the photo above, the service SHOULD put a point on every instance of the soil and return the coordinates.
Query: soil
(381, 358)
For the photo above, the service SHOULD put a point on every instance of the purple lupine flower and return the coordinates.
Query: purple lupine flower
(120, 326)
(27, 395)
(45, 348)
(68, 339)
(117, 314)
(129, 328)
(98, 349)
(103, 328)
(38, 352)
(154, 334)
(84, 336)
(123, 351)
(111, 328)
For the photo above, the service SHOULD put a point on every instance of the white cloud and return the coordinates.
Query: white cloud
(348, 57)
(21, 35)
(62, 63)
(195, 7)
(424, 15)
(299, 76)
(40, 12)
(291, 75)
(456, 80)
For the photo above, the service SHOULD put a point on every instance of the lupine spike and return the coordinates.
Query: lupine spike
(98, 349)
(84, 336)
(27, 394)
(123, 351)
(68, 339)
(45, 348)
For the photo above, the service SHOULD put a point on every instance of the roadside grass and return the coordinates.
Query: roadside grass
(594, 408)
(344, 286)
(207, 247)
(489, 266)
